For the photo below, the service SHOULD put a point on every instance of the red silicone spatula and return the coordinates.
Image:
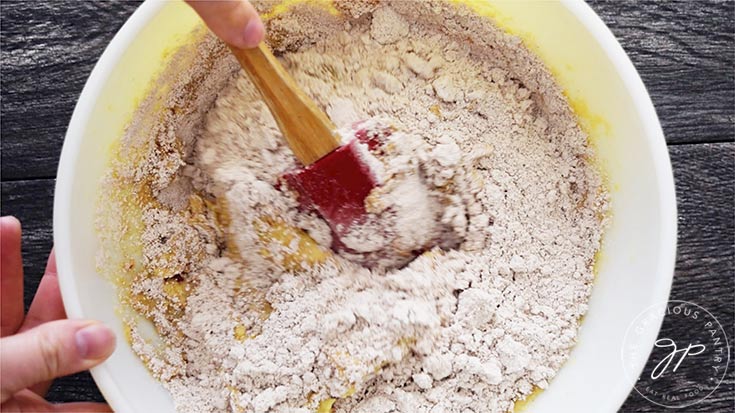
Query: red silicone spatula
(335, 178)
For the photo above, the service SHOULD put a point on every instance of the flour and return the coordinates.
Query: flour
(414, 206)
(271, 320)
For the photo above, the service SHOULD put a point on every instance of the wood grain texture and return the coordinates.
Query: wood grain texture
(705, 190)
(48, 50)
(684, 50)
(32, 203)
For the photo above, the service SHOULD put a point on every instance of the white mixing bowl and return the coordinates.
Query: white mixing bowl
(637, 258)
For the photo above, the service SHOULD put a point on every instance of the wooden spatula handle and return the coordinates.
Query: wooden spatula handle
(308, 131)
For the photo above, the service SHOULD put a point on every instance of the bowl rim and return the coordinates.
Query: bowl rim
(656, 142)
(102, 374)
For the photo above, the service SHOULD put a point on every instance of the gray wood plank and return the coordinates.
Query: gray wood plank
(685, 52)
(32, 203)
(705, 264)
(48, 50)
(683, 49)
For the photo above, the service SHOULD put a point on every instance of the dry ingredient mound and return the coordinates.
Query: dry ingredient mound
(420, 199)
(254, 312)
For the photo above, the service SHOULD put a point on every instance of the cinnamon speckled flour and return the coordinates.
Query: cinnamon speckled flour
(487, 163)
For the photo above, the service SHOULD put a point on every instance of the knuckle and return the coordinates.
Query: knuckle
(49, 346)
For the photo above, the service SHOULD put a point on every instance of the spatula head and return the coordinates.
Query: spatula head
(336, 185)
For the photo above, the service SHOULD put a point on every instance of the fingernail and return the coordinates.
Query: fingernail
(253, 33)
(95, 341)
(9, 220)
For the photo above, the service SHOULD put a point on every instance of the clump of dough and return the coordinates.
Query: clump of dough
(418, 203)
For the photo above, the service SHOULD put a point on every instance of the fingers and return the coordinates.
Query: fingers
(52, 350)
(26, 401)
(47, 305)
(11, 276)
(235, 22)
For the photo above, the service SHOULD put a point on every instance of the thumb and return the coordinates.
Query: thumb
(235, 22)
(52, 350)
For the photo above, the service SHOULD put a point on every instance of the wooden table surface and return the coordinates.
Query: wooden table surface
(684, 51)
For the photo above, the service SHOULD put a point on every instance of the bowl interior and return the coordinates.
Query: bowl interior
(635, 264)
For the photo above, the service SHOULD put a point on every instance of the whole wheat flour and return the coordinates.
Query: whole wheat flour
(417, 202)
(256, 314)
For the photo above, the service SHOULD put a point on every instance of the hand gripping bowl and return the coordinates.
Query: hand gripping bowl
(636, 263)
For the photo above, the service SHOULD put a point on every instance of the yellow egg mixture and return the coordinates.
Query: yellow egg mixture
(230, 293)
